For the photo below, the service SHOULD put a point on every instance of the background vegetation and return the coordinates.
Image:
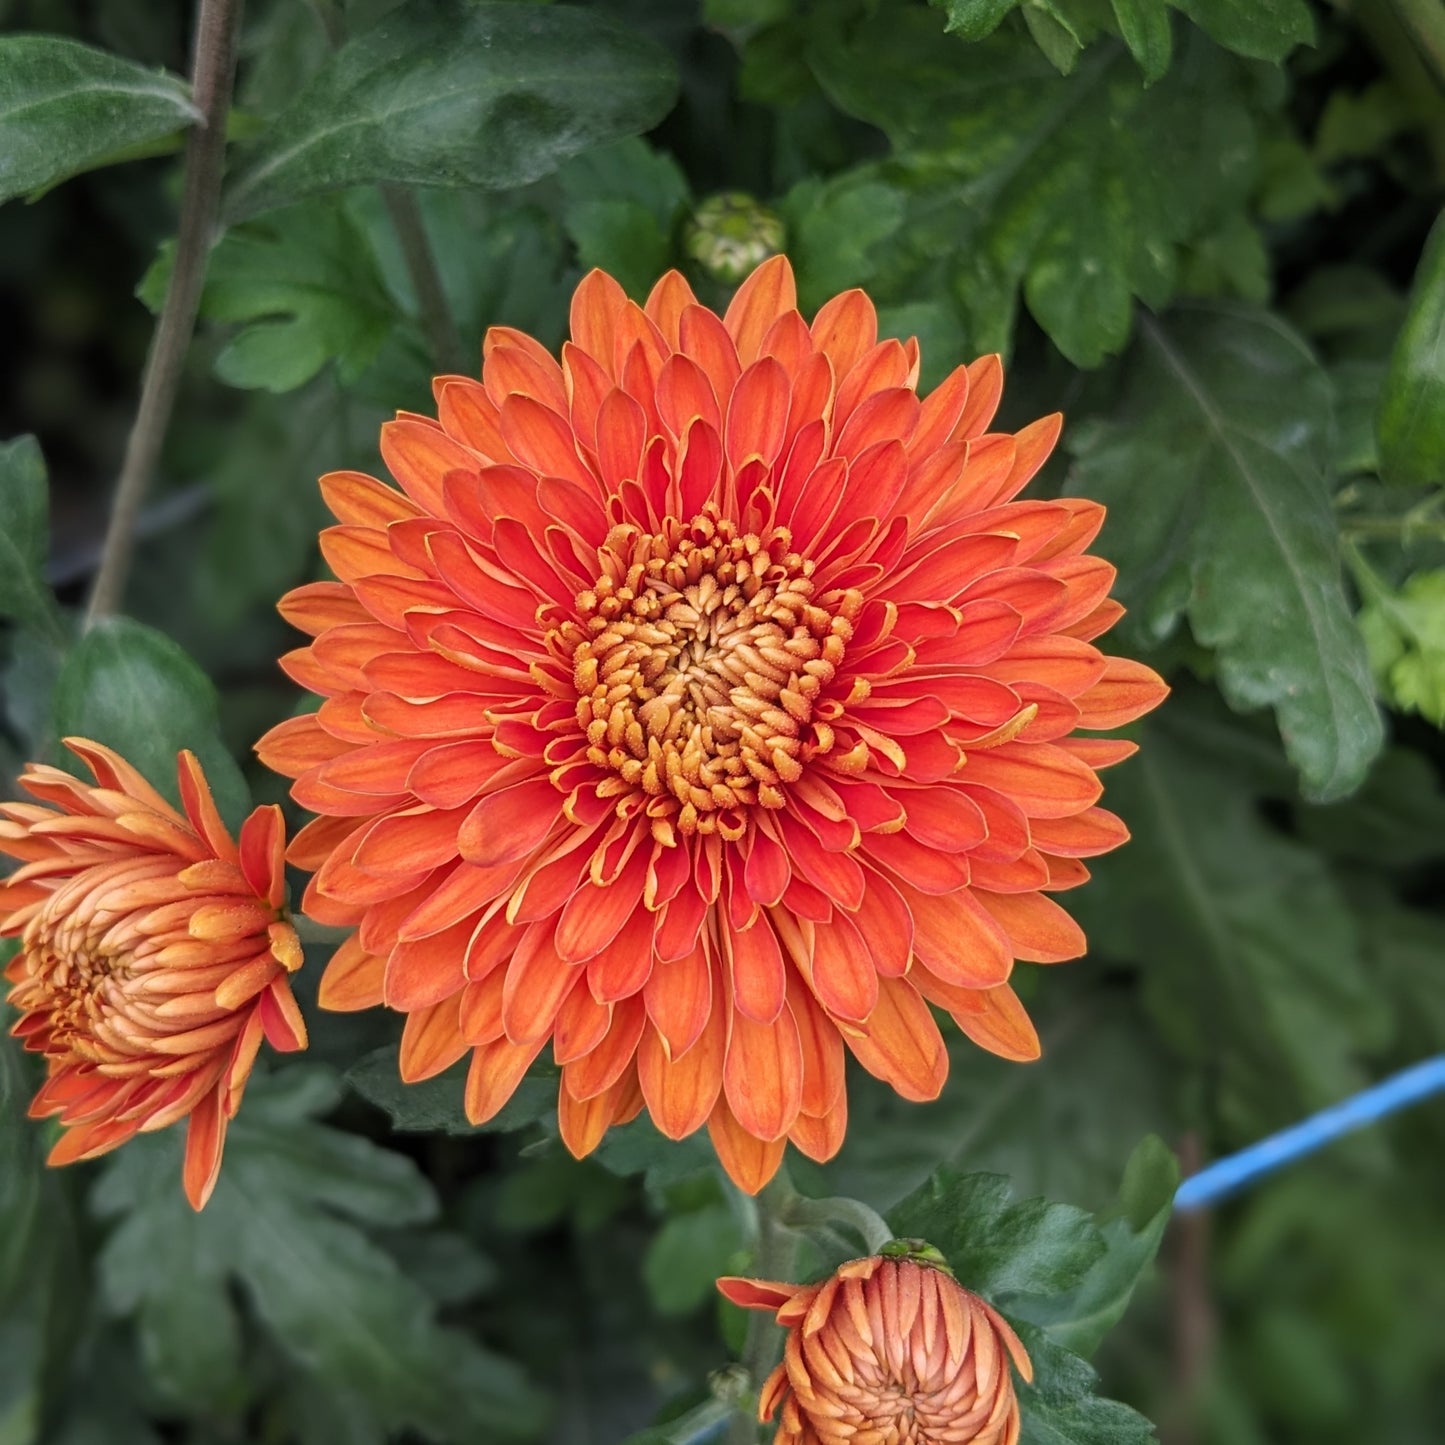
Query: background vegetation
(1199, 227)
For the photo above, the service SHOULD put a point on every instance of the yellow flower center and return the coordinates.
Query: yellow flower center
(698, 656)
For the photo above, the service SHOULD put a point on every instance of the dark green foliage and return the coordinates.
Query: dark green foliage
(1202, 229)
(458, 94)
(1412, 404)
(65, 108)
(24, 536)
(290, 1220)
(133, 689)
(1217, 465)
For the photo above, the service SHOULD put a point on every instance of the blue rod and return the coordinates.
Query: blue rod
(1222, 1178)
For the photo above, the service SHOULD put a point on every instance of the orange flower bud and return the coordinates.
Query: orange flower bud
(887, 1352)
(154, 955)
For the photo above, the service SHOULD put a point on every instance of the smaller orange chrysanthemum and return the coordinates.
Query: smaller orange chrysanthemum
(154, 955)
(887, 1352)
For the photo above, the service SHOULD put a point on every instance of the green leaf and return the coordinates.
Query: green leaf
(1055, 33)
(1396, 820)
(1102, 1083)
(974, 19)
(1240, 933)
(1405, 633)
(306, 290)
(24, 537)
(622, 207)
(1061, 1408)
(1261, 29)
(67, 108)
(1144, 24)
(1358, 386)
(1081, 1318)
(1012, 1253)
(131, 688)
(1215, 468)
(288, 1222)
(452, 93)
(1360, 123)
(687, 1255)
(1063, 1278)
(1079, 190)
(41, 1292)
(435, 1105)
(834, 230)
(1412, 409)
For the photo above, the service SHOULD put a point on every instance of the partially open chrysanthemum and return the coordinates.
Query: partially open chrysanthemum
(154, 955)
(702, 706)
(887, 1352)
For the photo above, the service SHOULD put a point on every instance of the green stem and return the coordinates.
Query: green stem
(867, 1224)
(772, 1259)
(213, 72)
(442, 336)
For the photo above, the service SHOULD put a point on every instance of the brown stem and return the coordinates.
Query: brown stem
(442, 336)
(1194, 1319)
(217, 24)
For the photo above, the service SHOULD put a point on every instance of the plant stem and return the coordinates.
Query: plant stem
(867, 1224)
(217, 23)
(1195, 1326)
(440, 330)
(772, 1259)
(442, 337)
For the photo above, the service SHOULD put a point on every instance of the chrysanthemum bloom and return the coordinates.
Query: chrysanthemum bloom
(154, 955)
(702, 705)
(887, 1352)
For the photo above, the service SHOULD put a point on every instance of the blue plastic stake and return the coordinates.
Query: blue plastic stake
(1222, 1178)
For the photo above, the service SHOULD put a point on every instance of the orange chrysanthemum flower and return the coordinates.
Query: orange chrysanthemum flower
(702, 704)
(888, 1352)
(153, 959)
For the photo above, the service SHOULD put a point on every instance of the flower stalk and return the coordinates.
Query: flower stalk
(213, 73)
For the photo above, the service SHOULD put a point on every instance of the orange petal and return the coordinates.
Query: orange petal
(281, 1018)
(597, 304)
(420, 455)
(496, 1070)
(821, 1139)
(362, 501)
(353, 979)
(997, 1021)
(758, 302)
(205, 1141)
(431, 1042)
(763, 1075)
(1126, 691)
(757, 1294)
(201, 807)
(1039, 930)
(583, 1122)
(681, 1091)
(900, 1043)
(538, 979)
(958, 939)
(680, 996)
(749, 1162)
(760, 981)
(263, 854)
